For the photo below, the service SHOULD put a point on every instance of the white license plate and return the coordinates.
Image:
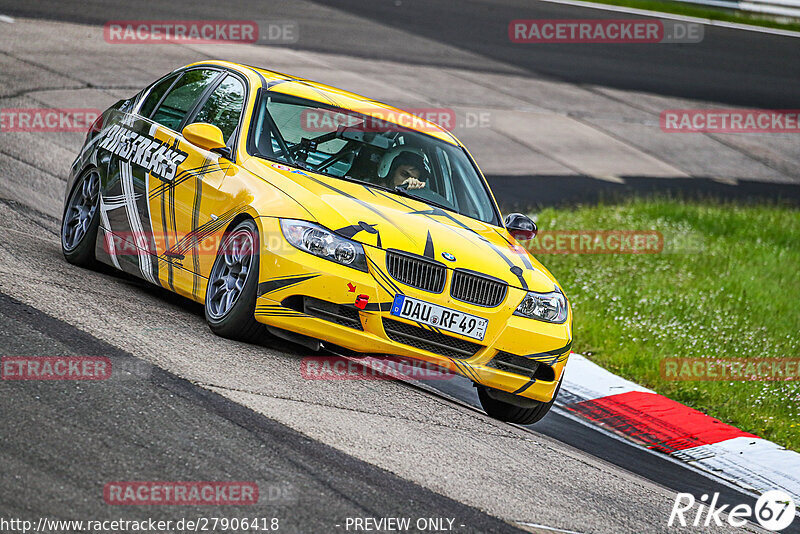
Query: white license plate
(439, 316)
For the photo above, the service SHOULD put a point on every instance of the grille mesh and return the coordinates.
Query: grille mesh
(477, 289)
(520, 365)
(428, 340)
(416, 271)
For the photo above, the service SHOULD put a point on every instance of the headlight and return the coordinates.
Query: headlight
(549, 307)
(316, 240)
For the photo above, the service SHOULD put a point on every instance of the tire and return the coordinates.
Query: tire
(81, 220)
(511, 413)
(232, 285)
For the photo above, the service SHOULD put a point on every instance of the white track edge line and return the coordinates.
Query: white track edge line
(544, 527)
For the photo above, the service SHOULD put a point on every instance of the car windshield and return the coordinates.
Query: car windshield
(350, 146)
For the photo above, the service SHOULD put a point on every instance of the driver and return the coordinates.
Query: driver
(404, 167)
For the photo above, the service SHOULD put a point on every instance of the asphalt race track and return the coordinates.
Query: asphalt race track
(187, 405)
(730, 66)
(159, 426)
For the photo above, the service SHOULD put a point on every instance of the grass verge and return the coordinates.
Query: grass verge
(725, 285)
(707, 12)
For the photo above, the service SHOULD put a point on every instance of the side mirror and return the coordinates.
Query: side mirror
(205, 136)
(521, 226)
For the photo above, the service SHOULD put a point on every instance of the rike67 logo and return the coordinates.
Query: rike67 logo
(774, 510)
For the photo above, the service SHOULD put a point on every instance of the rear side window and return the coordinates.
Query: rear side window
(155, 94)
(183, 96)
(224, 106)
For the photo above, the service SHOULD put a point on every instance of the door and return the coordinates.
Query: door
(147, 179)
(202, 209)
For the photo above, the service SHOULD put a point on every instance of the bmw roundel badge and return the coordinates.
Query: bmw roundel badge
(448, 256)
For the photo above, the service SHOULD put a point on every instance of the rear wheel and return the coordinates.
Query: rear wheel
(521, 411)
(82, 220)
(233, 283)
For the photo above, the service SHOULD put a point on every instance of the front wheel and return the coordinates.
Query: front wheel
(233, 283)
(520, 410)
(82, 220)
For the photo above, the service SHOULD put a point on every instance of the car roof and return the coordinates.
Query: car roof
(332, 96)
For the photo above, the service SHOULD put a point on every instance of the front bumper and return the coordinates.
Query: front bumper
(289, 275)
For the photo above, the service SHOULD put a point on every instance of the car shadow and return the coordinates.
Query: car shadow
(185, 304)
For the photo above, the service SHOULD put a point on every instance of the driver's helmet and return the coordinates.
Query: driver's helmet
(404, 155)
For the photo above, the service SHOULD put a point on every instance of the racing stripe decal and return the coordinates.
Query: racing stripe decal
(276, 310)
(436, 329)
(531, 382)
(466, 370)
(378, 306)
(279, 283)
(471, 372)
(558, 355)
(112, 250)
(167, 246)
(438, 212)
(193, 238)
(544, 357)
(351, 231)
(172, 197)
(384, 277)
(147, 178)
(434, 211)
(429, 252)
(306, 83)
(394, 198)
(209, 166)
(142, 244)
(198, 195)
(388, 291)
(456, 364)
(524, 257)
(362, 203)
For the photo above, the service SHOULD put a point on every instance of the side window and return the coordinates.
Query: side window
(183, 96)
(224, 106)
(155, 95)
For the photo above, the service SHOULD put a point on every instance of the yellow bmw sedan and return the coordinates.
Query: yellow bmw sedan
(326, 216)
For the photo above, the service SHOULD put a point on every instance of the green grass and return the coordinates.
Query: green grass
(726, 284)
(704, 12)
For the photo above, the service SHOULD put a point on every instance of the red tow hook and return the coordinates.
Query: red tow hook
(361, 301)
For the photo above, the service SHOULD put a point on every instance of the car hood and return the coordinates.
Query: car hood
(381, 219)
